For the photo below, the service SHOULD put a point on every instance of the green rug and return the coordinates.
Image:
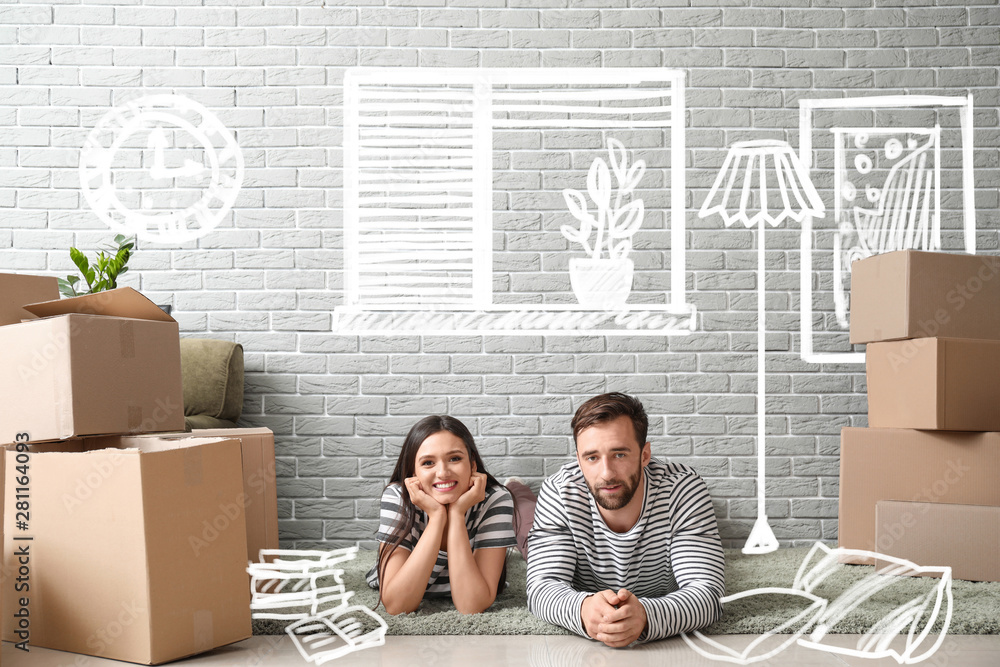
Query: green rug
(976, 605)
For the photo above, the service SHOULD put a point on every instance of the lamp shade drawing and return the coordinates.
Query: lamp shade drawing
(761, 183)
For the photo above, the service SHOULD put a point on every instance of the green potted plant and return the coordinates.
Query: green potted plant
(102, 274)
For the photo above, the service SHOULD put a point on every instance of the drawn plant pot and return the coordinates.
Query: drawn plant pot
(601, 284)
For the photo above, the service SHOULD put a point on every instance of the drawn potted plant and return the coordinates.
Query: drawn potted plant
(603, 281)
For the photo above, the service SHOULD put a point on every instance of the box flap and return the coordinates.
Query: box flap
(879, 297)
(17, 290)
(121, 302)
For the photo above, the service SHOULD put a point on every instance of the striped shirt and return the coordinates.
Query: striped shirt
(671, 560)
(490, 525)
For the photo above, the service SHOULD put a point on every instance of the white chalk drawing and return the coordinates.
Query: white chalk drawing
(885, 193)
(162, 167)
(770, 643)
(338, 632)
(285, 586)
(604, 283)
(903, 634)
(419, 151)
(761, 183)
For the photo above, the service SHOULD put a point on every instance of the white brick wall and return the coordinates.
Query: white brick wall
(271, 274)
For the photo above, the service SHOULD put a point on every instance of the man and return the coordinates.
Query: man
(623, 548)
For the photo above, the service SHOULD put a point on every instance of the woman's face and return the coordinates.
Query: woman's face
(443, 467)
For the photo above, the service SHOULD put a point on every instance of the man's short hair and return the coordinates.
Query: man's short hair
(608, 407)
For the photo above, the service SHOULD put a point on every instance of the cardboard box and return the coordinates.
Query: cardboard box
(913, 294)
(97, 364)
(259, 485)
(17, 290)
(138, 548)
(934, 383)
(965, 538)
(919, 466)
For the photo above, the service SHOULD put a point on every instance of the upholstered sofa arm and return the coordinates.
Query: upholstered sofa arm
(212, 378)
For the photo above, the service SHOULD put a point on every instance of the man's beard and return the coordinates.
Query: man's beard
(621, 499)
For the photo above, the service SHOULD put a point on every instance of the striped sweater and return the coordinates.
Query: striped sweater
(671, 560)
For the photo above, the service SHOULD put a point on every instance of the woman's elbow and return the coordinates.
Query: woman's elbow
(474, 607)
(468, 611)
(395, 609)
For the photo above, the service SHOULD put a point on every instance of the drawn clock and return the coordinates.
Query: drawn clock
(162, 167)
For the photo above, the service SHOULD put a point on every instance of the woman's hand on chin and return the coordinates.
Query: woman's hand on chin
(475, 494)
(422, 499)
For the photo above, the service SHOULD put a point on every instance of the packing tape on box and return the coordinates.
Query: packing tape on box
(126, 338)
(204, 632)
(193, 466)
(134, 418)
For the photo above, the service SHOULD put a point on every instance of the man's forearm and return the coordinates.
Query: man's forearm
(691, 608)
(557, 603)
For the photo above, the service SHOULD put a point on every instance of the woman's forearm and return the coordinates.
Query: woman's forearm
(471, 591)
(406, 583)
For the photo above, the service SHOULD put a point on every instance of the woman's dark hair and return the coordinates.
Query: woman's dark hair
(608, 407)
(406, 467)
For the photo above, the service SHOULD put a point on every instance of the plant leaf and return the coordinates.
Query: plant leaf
(83, 264)
(576, 204)
(572, 234)
(66, 285)
(619, 158)
(630, 215)
(621, 249)
(599, 183)
(635, 174)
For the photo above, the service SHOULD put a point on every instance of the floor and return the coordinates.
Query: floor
(534, 651)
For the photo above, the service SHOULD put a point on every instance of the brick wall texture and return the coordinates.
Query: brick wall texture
(271, 274)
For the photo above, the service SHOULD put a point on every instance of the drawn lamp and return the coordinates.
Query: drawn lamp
(761, 182)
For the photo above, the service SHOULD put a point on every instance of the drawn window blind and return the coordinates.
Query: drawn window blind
(419, 197)
(419, 170)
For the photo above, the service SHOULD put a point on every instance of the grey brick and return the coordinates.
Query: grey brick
(508, 385)
(390, 385)
(328, 384)
(352, 446)
(574, 384)
(418, 405)
(419, 363)
(323, 509)
(299, 488)
(451, 384)
(711, 37)
(937, 17)
(449, 18)
(324, 425)
(297, 405)
(391, 344)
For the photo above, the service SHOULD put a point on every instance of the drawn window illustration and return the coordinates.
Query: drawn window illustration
(514, 201)
(896, 172)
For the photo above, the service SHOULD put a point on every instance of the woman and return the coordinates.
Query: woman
(445, 523)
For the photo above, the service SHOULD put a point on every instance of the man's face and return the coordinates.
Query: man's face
(611, 460)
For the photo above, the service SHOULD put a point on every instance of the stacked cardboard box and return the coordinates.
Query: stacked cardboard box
(126, 547)
(920, 482)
